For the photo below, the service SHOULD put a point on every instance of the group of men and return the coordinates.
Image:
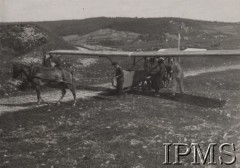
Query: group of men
(48, 61)
(157, 72)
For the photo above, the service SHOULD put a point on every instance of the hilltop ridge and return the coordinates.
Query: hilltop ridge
(149, 33)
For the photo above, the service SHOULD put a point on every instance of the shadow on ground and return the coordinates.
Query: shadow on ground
(183, 98)
(19, 105)
(195, 100)
(31, 104)
(110, 94)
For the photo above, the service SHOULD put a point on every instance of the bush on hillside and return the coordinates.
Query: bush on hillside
(21, 38)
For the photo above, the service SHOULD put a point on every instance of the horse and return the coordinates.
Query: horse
(39, 76)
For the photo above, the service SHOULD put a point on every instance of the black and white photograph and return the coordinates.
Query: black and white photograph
(119, 84)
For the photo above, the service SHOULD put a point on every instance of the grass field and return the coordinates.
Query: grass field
(127, 132)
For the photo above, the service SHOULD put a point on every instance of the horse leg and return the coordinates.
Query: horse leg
(39, 98)
(63, 94)
(38, 95)
(72, 88)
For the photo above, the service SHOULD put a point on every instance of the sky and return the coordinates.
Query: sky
(46, 10)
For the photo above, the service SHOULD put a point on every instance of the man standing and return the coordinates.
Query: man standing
(161, 74)
(153, 71)
(119, 76)
(177, 76)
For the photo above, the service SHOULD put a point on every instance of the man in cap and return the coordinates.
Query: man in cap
(119, 76)
(177, 76)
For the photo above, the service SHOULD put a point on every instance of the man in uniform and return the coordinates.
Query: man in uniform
(154, 74)
(119, 76)
(47, 60)
(161, 74)
(147, 74)
(177, 76)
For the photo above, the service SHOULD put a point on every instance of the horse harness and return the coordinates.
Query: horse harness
(33, 70)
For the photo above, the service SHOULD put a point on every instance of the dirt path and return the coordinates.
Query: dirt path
(11, 104)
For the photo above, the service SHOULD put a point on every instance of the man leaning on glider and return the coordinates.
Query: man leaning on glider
(119, 76)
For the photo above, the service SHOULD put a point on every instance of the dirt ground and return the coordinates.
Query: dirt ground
(28, 101)
(125, 132)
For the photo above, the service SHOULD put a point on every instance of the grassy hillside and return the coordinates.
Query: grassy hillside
(137, 25)
(23, 38)
(81, 27)
(154, 33)
(149, 33)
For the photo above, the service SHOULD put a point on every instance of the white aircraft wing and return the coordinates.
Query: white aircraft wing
(208, 53)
